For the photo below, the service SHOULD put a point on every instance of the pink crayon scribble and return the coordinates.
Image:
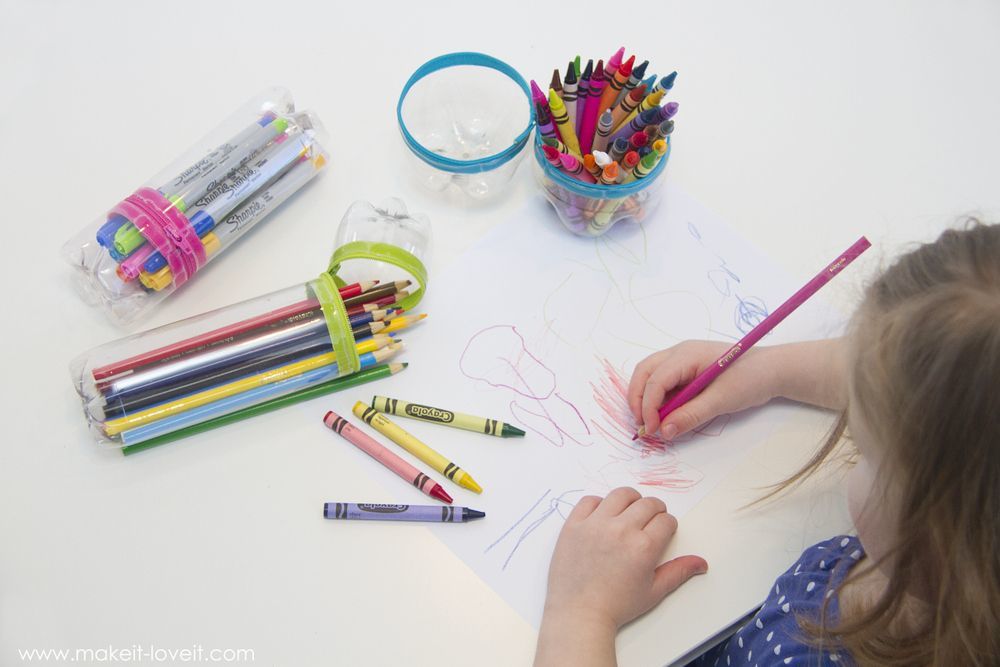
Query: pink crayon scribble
(499, 357)
(659, 463)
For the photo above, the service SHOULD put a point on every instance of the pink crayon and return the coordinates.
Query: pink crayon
(614, 62)
(540, 98)
(733, 354)
(372, 448)
(575, 168)
(589, 124)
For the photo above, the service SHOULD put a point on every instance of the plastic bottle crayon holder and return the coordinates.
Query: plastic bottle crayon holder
(383, 241)
(466, 117)
(592, 209)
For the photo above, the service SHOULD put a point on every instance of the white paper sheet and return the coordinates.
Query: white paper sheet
(542, 329)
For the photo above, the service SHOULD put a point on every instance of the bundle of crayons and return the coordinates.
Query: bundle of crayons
(605, 124)
(219, 197)
(255, 365)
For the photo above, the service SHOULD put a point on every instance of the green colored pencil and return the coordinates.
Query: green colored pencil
(339, 384)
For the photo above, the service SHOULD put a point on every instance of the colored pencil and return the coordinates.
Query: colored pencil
(329, 387)
(731, 355)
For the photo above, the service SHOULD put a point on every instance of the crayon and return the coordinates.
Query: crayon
(643, 151)
(569, 96)
(628, 104)
(648, 163)
(415, 447)
(576, 67)
(574, 168)
(616, 82)
(544, 119)
(610, 174)
(638, 140)
(427, 413)
(552, 155)
(582, 93)
(650, 81)
(555, 143)
(634, 78)
(603, 131)
(666, 83)
(602, 160)
(629, 161)
(597, 83)
(556, 84)
(615, 62)
(380, 453)
(651, 100)
(385, 512)
(637, 123)
(618, 149)
(539, 97)
(590, 164)
(561, 119)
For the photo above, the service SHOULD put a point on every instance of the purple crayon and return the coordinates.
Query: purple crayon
(582, 93)
(385, 512)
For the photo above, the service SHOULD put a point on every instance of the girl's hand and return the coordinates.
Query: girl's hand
(606, 571)
(748, 383)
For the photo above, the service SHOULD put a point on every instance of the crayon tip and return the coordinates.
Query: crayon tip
(510, 431)
(439, 493)
(536, 92)
(588, 70)
(570, 73)
(468, 483)
(640, 71)
(550, 152)
(568, 161)
(626, 68)
(598, 70)
(667, 82)
(554, 99)
(470, 514)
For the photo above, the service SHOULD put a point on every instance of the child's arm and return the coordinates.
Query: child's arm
(605, 571)
(812, 372)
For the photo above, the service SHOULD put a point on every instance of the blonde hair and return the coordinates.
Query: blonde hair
(925, 374)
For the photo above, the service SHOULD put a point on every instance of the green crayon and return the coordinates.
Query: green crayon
(495, 427)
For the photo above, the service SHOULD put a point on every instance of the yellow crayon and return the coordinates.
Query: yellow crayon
(561, 118)
(410, 443)
(651, 100)
(142, 417)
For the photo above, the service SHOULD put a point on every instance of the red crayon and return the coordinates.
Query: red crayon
(630, 160)
(552, 155)
(370, 446)
(638, 140)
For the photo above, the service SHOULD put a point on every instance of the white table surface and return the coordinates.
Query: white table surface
(803, 125)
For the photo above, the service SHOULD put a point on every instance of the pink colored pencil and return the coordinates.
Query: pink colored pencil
(721, 364)
(372, 448)
(597, 83)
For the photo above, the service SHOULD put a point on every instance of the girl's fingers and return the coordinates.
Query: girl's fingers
(642, 511)
(669, 576)
(617, 501)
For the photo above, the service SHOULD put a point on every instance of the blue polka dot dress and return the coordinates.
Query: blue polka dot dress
(773, 636)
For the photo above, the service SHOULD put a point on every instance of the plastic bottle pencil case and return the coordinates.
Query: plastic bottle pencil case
(314, 338)
(158, 237)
